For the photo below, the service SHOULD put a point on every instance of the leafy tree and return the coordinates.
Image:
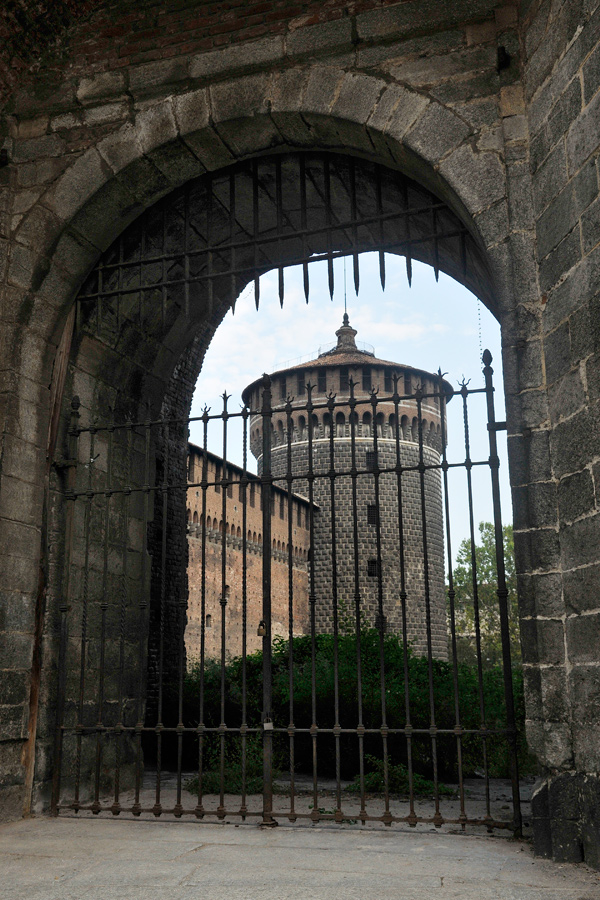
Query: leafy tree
(489, 610)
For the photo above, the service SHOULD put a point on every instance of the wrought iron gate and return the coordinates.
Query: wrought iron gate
(322, 718)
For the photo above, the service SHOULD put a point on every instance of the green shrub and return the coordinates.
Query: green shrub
(299, 708)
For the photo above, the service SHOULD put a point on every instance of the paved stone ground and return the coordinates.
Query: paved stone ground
(64, 859)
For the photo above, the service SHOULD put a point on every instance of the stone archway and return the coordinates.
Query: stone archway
(137, 165)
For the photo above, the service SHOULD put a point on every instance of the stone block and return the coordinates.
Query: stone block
(583, 635)
(478, 178)
(581, 282)
(558, 746)
(555, 698)
(590, 819)
(37, 148)
(512, 102)
(550, 178)
(177, 162)
(543, 641)
(38, 230)
(539, 148)
(239, 99)
(155, 125)
(120, 148)
(542, 505)
(493, 223)
(357, 97)
(252, 135)
(544, 548)
(566, 396)
(245, 55)
(95, 224)
(150, 78)
(557, 353)
(541, 595)
(590, 227)
(533, 408)
(560, 260)
(582, 588)
(404, 18)
(16, 649)
(323, 36)
(574, 443)
(591, 76)
(582, 137)
(576, 496)
(395, 112)
(436, 133)
(80, 182)
(322, 89)
(563, 212)
(565, 111)
(579, 542)
(191, 111)
(100, 86)
(106, 113)
(515, 129)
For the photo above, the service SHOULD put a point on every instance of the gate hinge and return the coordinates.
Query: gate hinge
(496, 426)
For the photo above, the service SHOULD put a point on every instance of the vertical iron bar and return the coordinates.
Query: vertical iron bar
(502, 593)
(380, 215)
(244, 488)
(267, 491)
(164, 268)
(290, 485)
(451, 601)
(303, 225)
(437, 818)
(436, 249)
(334, 598)
(199, 810)
(360, 728)
(327, 186)
(84, 615)
(233, 285)
(223, 604)
(279, 203)
(408, 237)
(411, 818)
(181, 611)
(354, 214)
(475, 584)
(312, 601)
(126, 499)
(209, 249)
(71, 501)
(144, 591)
(255, 228)
(164, 488)
(103, 609)
(186, 258)
(381, 621)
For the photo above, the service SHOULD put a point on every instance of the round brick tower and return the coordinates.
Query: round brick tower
(369, 552)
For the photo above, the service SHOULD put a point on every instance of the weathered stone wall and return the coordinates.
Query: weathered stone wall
(557, 537)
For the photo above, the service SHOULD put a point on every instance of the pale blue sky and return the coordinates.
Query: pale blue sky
(429, 325)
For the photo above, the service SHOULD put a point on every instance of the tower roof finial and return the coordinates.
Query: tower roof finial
(345, 336)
